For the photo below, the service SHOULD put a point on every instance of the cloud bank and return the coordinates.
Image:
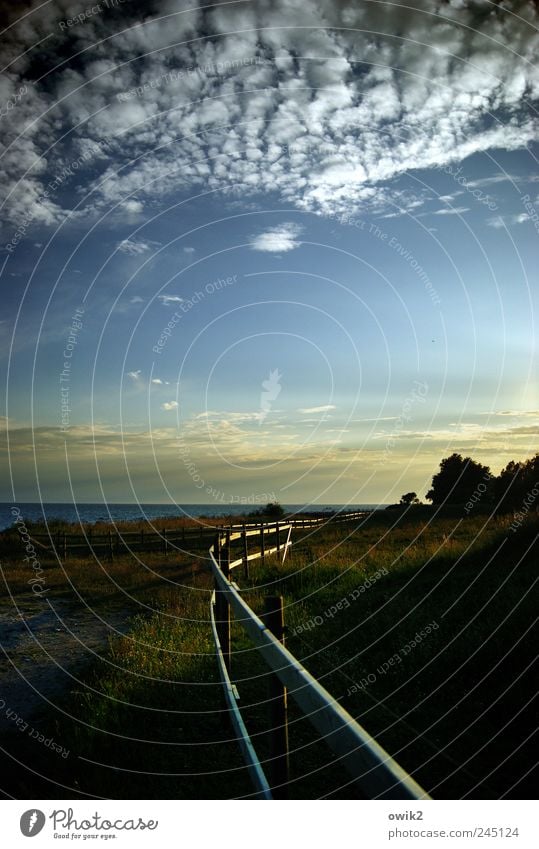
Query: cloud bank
(323, 103)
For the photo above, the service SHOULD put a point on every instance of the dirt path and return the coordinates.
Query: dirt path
(46, 644)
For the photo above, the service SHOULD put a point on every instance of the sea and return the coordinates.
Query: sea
(111, 512)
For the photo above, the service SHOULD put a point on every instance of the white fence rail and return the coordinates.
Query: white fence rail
(372, 768)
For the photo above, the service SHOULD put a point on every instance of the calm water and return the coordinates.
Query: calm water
(36, 512)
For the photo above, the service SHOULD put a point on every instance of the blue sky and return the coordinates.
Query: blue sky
(301, 239)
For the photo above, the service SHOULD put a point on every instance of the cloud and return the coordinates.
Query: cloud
(159, 382)
(230, 416)
(277, 239)
(494, 179)
(324, 103)
(323, 409)
(169, 405)
(515, 413)
(523, 430)
(134, 247)
(135, 375)
(132, 207)
(166, 300)
(456, 210)
(188, 250)
(502, 221)
(136, 299)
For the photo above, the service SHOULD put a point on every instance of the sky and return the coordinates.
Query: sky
(256, 250)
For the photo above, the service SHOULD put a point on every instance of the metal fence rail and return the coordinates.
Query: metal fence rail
(231, 695)
(374, 770)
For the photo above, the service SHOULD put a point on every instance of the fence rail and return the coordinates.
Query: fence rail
(376, 773)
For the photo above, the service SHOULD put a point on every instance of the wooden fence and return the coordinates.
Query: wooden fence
(114, 542)
(376, 774)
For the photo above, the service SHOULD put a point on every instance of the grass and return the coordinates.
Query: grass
(149, 720)
(440, 708)
(156, 715)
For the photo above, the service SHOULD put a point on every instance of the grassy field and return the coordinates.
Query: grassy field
(146, 719)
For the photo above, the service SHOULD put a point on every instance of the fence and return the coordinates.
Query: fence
(375, 772)
(115, 542)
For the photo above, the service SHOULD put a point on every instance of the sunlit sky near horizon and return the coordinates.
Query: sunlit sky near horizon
(301, 239)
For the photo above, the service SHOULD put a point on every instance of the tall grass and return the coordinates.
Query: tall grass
(440, 707)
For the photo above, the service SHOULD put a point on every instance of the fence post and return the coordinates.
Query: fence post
(287, 545)
(222, 608)
(165, 541)
(225, 567)
(278, 702)
(245, 560)
(262, 544)
(278, 539)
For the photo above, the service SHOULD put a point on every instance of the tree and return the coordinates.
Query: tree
(274, 510)
(409, 498)
(516, 484)
(458, 479)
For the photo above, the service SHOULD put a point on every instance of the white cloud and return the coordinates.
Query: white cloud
(169, 405)
(455, 210)
(170, 299)
(278, 239)
(323, 409)
(502, 221)
(132, 207)
(135, 375)
(136, 299)
(188, 250)
(159, 382)
(321, 106)
(514, 413)
(134, 247)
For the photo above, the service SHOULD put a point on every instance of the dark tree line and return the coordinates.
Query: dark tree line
(463, 481)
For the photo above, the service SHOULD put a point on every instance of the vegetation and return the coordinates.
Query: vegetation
(443, 707)
(409, 498)
(150, 709)
(459, 477)
(463, 481)
(517, 485)
(144, 715)
(272, 510)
